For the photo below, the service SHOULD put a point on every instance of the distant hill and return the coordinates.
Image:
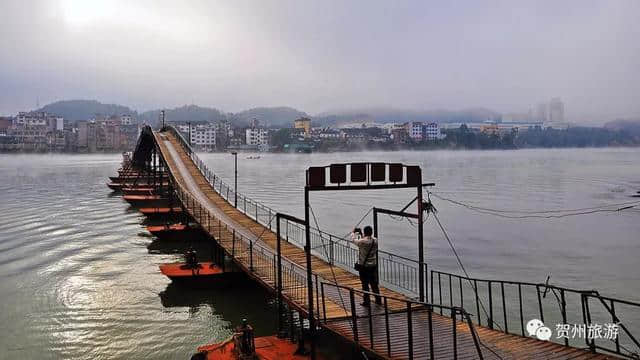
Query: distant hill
(74, 110)
(185, 113)
(281, 116)
(630, 125)
(400, 116)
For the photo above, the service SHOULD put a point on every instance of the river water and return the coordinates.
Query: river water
(79, 277)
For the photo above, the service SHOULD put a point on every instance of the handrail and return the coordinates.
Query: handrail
(569, 301)
(394, 271)
(408, 312)
(347, 258)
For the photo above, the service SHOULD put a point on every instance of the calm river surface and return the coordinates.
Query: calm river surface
(79, 278)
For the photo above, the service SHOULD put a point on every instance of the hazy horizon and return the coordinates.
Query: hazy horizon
(324, 56)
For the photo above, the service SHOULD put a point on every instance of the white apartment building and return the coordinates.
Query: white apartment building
(203, 135)
(126, 120)
(257, 136)
(432, 131)
(32, 119)
(415, 130)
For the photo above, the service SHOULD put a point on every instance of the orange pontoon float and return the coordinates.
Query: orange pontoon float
(114, 186)
(138, 200)
(124, 178)
(142, 197)
(199, 272)
(167, 228)
(159, 210)
(242, 345)
(140, 190)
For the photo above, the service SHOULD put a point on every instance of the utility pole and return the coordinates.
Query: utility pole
(189, 125)
(235, 186)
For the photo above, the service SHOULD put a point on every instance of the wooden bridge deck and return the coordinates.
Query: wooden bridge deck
(335, 311)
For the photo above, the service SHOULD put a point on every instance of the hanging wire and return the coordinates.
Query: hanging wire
(543, 214)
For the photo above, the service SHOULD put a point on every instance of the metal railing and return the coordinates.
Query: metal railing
(385, 329)
(256, 259)
(501, 305)
(508, 306)
(261, 262)
(395, 271)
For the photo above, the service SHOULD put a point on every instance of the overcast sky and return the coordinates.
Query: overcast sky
(324, 55)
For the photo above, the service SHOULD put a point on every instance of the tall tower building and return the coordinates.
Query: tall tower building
(556, 110)
(542, 112)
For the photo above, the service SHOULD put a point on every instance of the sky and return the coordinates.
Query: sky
(327, 55)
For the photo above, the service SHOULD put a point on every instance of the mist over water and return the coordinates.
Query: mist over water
(79, 276)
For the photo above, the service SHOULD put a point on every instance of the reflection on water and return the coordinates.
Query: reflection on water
(79, 275)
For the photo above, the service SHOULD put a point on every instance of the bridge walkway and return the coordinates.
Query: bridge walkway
(382, 330)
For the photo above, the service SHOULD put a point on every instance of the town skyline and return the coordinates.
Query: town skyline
(322, 57)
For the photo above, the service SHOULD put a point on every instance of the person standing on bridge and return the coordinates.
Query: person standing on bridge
(367, 264)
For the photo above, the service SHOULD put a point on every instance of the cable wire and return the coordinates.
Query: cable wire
(551, 214)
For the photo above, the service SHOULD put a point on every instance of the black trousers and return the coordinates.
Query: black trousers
(369, 277)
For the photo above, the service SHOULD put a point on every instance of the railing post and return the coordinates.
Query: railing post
(410, 329)
(386, 326)
(592, 343)
(250, 255)
(233, 244)
(370, 325)
(540, 304)
(474, 335)
(614, 320)
(521, 312)
(331, 260)
(354, 316)
(491, 306)
(564, 315)
(324, 306)
(430, 322)
(504, 309)
(455, 334)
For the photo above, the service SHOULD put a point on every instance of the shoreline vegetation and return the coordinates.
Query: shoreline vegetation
(465, 138)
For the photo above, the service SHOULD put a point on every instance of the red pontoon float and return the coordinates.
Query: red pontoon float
(139, 200)
(140, 190)
(167, 228)
(181, 272)
(159, 210)
(243, 345)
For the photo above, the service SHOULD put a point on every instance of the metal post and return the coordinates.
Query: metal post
(375, 234)
(307, 249)
(235, 187)
(189, 124)
(250, 255)
(279, 279)
(420, 245)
